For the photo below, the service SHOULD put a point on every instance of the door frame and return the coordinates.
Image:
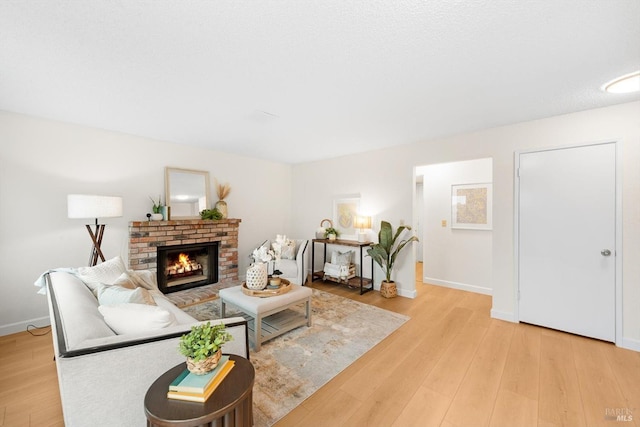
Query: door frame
(618, 228)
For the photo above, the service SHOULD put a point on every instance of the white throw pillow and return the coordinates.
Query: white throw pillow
(341, 258)
(129, 318)
(105, 273)
(288, 250)
(112, 295)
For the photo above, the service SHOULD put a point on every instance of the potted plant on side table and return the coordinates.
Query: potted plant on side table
(203, 347)
(385, 252)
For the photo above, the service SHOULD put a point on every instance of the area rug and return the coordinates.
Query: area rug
(292, 367)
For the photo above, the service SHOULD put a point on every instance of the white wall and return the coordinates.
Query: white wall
(42, 161)
(384, 178)
(456, 258)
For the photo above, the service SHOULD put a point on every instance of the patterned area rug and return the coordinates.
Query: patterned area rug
(293, 366)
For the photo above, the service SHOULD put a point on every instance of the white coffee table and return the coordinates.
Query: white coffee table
(269, 317)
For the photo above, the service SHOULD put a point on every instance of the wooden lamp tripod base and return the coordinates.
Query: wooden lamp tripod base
(96, 238)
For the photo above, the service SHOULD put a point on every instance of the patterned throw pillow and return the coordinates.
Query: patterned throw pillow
(105, 273)
(289, 250)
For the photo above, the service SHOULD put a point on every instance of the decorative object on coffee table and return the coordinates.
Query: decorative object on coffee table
(285, 286)
(203, 347)
(222, 190)
(257, 276)
(385, 253)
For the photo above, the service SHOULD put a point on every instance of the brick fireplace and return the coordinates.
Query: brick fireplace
(145, 237)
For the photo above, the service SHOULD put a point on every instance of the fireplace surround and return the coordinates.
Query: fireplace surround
(147, 238)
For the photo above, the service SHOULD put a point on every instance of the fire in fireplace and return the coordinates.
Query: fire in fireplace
(187, 266)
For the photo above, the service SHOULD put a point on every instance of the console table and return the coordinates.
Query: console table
(366, 284)
(231, 404)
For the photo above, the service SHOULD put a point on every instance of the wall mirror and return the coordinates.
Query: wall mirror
(186, 192)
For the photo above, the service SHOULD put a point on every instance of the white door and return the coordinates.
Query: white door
(566, 229)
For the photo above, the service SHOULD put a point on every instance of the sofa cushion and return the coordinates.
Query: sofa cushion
(105, 273)
(130, 318)
(112, 295)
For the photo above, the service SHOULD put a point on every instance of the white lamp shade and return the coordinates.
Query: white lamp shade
(363, 222)
(90, 206)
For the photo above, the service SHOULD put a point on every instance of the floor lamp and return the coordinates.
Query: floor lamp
(90, 206)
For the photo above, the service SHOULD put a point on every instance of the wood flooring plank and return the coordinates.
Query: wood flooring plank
(559, 403)
(513, 409)
(425, 408)
(474, 400)
(602, 398)
(447, 374)
(625, 365)
(522, 368)
(339, 407)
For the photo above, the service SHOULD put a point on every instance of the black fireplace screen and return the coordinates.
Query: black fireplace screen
(187, 266)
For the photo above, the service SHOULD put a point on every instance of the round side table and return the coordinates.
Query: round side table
(231, 404)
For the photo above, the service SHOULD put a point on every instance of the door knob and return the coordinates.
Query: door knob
(605, 252)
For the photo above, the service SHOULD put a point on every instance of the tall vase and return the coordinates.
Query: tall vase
(221, 205)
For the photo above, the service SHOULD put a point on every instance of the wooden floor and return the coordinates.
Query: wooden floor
(449, 365)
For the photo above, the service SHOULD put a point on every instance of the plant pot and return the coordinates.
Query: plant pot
(331, 236)
(201, 367)
(388, 289)
(156, 217)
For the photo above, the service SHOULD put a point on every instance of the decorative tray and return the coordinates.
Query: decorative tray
(285, 286)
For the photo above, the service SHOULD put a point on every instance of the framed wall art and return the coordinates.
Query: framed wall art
(344, 216)
(471, 206)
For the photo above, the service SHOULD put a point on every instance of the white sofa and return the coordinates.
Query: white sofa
(292, 269)
(103, 377)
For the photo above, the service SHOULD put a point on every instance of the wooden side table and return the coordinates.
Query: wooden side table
(231, 404)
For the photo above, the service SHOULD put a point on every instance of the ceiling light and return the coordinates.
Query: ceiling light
(624, 84)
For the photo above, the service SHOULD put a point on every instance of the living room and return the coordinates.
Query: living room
(45, 159)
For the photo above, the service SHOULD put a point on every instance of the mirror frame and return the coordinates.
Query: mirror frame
(168, 173)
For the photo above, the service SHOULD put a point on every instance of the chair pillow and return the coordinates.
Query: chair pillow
(130, 318)
(112, 295)
(105, 273)
(288, 250)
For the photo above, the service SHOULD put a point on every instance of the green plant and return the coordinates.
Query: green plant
(156, 205)
(331, 230)
(386, 250)
(211, 214)
(203, 341)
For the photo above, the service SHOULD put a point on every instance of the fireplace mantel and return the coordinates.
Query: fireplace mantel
(146, 236)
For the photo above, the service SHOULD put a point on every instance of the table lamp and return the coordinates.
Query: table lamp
(362, 222)
(90, 206)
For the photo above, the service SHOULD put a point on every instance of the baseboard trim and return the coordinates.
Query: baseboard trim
(503, 315)
(14, 328)
(407, 293)
(459, 286)
(630, 344)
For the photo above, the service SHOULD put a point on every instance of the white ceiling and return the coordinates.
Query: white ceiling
(296, 80)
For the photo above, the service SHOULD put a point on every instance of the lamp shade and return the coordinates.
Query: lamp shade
(90, 206)
(362, 222)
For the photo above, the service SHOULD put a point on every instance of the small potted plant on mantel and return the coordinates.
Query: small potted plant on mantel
(203, 347)
(385, 252)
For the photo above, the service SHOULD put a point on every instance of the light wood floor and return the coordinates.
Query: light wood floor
(449, 365)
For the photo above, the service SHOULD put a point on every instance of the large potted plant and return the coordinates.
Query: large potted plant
(385, 253)
(203, 347)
